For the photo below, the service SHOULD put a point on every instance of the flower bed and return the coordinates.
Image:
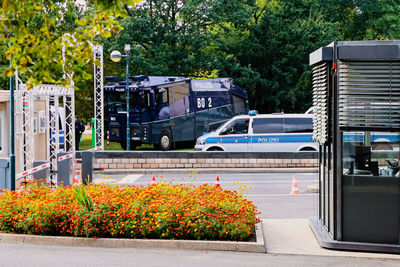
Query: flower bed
(156, 211)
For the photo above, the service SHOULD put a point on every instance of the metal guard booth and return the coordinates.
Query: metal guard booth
(356, 95)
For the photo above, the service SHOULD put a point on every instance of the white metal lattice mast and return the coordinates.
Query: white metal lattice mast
(69, 140)
(24, 113)
(98, 96)
(53, 136)
(69, 106)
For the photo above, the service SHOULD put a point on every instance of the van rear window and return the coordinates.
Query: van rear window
(280, 125)
(298, 125)
(267, 125)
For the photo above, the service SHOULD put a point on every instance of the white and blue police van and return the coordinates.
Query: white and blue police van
(261, 133)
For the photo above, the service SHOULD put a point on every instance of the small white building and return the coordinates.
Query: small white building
(40, 131)
(4, 123)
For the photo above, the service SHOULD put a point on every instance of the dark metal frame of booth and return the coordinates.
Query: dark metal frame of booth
(355, 212)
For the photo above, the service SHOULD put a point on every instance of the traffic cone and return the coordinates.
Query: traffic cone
(217, 182)
(153, 180)
(75, 180)
(295, 189)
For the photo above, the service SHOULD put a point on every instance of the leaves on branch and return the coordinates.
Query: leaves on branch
(39, 30)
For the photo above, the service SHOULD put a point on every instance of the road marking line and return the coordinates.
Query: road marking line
(103, 181)
(280, 195)
(231, 182)
(130, 179)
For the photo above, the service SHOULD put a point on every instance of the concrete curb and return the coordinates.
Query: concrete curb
(314, 188)
(258, 246)
(209, 170)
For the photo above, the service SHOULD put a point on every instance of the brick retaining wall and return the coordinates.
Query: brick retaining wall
(187, 160)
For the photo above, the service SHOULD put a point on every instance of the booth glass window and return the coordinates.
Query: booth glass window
(370, 187)
(371, 153)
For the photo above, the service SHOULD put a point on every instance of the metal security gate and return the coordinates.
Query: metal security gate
(57, 98)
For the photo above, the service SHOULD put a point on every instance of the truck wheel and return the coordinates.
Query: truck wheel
(165, 140)
(123, 145)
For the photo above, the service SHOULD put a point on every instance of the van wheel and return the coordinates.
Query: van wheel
(307, 149)
(215, 149)
(165, 140)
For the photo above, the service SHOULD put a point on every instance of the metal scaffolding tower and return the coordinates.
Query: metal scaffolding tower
(57, 98)
(98, 96)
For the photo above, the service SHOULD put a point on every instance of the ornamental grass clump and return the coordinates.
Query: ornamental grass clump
(160, 210)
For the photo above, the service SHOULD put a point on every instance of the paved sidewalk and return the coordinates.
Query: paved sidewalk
(289, 242)
(294, 237)
(208, 170)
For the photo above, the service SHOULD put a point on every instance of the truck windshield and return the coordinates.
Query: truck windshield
(116, 101)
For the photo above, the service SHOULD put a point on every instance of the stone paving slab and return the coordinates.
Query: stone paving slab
(294, 237)
(256, 246)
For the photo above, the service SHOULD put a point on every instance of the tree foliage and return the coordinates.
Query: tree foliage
(4, 83)
(178, 37)
(37, 31)
(262, 44)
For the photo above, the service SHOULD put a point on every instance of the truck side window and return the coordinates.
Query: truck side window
(267, 125)
(181, 91)
(239, 105)
(145, 100)
(162, 96)
(171, 95)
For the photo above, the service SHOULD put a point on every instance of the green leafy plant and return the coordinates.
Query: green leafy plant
(83, 198)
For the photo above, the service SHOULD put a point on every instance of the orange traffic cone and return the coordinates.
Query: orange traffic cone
(76, 179)
(295, 189)
(217, 182)
(153, 180)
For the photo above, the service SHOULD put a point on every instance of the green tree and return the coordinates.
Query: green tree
(271, 58)
(263, 44)
(271, 61)
(178, 37)
(39, 29)
(4, 83)
(364, 19)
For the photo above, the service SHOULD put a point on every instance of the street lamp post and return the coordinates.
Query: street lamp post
(116, 57)
(12, 130)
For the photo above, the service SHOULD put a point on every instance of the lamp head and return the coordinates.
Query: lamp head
(127, 48)
(115, 56)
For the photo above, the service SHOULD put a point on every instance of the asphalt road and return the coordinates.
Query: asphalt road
(269, 191)
(43, 256)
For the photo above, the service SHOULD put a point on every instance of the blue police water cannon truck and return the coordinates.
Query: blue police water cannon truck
(166, 111)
